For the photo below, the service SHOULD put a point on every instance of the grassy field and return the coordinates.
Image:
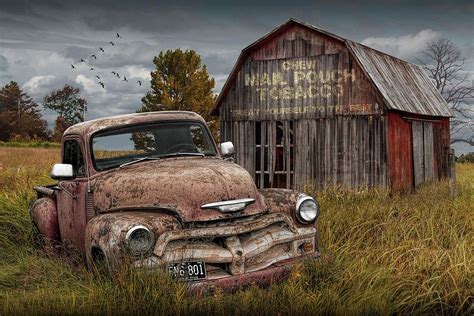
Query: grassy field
(30, 144)
(383, 253)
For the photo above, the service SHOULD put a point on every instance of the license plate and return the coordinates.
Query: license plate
(187, 271)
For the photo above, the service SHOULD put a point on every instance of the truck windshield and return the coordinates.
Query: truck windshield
(119, 147)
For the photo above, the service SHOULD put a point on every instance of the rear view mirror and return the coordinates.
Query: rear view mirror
(62, 171)
(227, 149)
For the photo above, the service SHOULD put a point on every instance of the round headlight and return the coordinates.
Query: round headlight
(139, 241)
(307, 209)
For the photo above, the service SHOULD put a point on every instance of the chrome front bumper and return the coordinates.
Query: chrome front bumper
(235, 249)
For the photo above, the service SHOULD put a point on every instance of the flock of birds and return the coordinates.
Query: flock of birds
(94, 56)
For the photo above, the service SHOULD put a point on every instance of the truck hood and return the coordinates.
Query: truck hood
(180, 185)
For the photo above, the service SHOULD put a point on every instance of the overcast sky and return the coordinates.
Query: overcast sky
(39, 40)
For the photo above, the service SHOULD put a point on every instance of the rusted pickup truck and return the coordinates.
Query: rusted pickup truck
(153, 190)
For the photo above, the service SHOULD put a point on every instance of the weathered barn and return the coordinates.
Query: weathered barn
(307, 107)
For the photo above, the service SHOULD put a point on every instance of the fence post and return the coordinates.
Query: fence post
(452, 172)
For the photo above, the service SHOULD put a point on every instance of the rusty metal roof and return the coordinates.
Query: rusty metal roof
(86, 129)
(404, 86)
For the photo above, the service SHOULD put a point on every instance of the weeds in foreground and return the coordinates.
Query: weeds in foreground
(383, 254)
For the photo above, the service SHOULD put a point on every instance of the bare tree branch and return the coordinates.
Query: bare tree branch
(462, 140)
(444, 64)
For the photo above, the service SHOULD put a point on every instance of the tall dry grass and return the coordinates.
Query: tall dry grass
(383, 254)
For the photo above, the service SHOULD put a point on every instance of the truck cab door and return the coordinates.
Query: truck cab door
(71, 196)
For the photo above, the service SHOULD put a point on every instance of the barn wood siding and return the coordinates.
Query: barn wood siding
(298, 41)
(428, 151)
(441, 142)
(347, 151)
(267, 90)
(400, 153)
(418, 152)
(401, 145)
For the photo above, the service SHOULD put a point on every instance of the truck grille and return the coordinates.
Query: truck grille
(234, 249)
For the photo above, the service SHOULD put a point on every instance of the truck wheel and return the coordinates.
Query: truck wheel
(43, 243)
(44, 222)
(98, 263)
(36, 237)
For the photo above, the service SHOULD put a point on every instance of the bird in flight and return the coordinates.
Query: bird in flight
(118, 35)
(97, 77)
(72, 66)
(112, 43)
(82, 60)
(94, 56)
(139, 82)
(117, 75)
(102, 84)
(92, 68)
(125, 78)
(101, 49)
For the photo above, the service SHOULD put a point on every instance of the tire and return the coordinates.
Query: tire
(39, 240)
(98, 264)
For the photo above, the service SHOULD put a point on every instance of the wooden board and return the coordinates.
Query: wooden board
(400, 154)
(423, 152)
(418, 156)
(428, 151)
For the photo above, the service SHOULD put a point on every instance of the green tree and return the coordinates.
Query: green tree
(20, 117)
(466, 158)
(180, 82)
(67, 102)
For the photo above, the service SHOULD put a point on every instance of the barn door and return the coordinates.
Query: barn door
(423, 152)
(274, 144)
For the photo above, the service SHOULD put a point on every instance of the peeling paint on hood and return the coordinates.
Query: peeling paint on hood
(180, 184)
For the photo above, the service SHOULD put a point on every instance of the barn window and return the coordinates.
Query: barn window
(274, 142)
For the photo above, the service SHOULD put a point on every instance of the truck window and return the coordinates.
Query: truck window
(113, 148)
(73, 155)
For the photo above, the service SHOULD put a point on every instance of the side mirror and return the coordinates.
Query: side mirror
(227, 149)
(62, 171)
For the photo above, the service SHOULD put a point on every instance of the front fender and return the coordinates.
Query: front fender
(44, 215)
(106, 232)
(282, 200)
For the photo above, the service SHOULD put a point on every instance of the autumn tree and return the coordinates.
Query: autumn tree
(180, 82)
(445, 65)
(68, 103)
(20, 117)
(60, 125)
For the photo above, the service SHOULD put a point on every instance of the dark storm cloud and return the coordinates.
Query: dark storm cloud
(130, 53)
(14, 23)
(77, 53)
(219, 63)
(144, 16)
